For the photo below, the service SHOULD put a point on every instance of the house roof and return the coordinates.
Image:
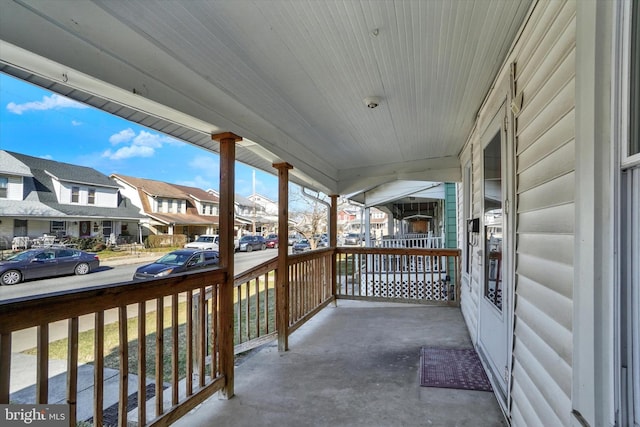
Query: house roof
(66, 172)
(152, 187)
(9, 165)
(198, 194)
(40, 198)
(184, 219)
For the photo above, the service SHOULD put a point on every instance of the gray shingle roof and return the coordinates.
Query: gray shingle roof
(10, 166)
(66, 171)
(39, 190)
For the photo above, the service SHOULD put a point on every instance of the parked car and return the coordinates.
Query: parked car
(301, 245)
(249, 243)
(45, 263)
(272, 241)
(293, 238)
(205, 241)
(180, 261)
(322, 242)
(352, 239)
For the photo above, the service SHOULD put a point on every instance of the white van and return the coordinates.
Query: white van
(208, 241)
(205, 241)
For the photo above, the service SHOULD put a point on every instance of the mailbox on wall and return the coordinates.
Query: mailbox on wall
(473, 225)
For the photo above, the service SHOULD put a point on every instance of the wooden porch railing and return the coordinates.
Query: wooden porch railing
(176, 364)
(184, 359)
(309, 285)
(255, 306)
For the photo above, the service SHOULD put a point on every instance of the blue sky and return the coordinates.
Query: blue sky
(39, 123)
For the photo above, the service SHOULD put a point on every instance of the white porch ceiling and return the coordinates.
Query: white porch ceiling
(289, 76)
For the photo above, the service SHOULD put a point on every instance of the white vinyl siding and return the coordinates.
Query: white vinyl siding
(545, 159)
(469, 292)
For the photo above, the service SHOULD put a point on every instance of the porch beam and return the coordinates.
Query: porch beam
(282, 277)
(226, 250)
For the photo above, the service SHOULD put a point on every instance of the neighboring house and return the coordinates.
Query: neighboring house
(170, 208)
(265, 204)
(253, 217)
(40, 196)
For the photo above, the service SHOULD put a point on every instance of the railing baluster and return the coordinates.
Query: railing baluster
(72, 370)
(159, 356)
(202, 336)
(434, 286)
(5, 367)
(123, 402)
(257, 305)
(98, 367)
(247, 308)
(189, 344)
(42, 368)
(174, 349)
(142, 363)
(214, 331)
(238, 310)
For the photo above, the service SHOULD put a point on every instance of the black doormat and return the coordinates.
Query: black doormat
(452, 368)
(110, 414)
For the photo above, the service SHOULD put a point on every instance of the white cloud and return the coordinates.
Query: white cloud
(128, 152)
(125, 135)
(143, 144)
(148, 139)
(47, 157)
(53, 102)
(76, 123)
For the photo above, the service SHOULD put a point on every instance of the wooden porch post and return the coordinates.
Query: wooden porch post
(282, 279)
(333, 242)
(226, 249)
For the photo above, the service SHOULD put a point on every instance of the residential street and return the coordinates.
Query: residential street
(113, 271)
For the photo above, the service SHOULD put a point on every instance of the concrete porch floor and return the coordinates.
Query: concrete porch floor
(356, 364)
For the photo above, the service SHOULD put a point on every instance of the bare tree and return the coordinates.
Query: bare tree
(310, 214)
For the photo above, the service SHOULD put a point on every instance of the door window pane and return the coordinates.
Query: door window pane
(493, 222)
(634, 120)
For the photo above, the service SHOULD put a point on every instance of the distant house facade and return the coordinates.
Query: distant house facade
(171, 209)
(43, 197)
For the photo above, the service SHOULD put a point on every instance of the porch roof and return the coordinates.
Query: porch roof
(184, 219)
(291, 78)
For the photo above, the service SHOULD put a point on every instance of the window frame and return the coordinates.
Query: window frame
(75, 194)
(629, 103)
(91, 196)
(4, 187)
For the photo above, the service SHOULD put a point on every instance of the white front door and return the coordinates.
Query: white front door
(497, 248)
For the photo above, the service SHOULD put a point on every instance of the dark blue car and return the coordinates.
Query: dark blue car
(46, 262)
(176, 262)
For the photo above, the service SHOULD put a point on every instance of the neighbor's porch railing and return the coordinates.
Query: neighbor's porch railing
(424, 241)
(392, 274)
(155, 322)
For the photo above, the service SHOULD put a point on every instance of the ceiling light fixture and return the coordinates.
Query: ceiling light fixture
(371, 101)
